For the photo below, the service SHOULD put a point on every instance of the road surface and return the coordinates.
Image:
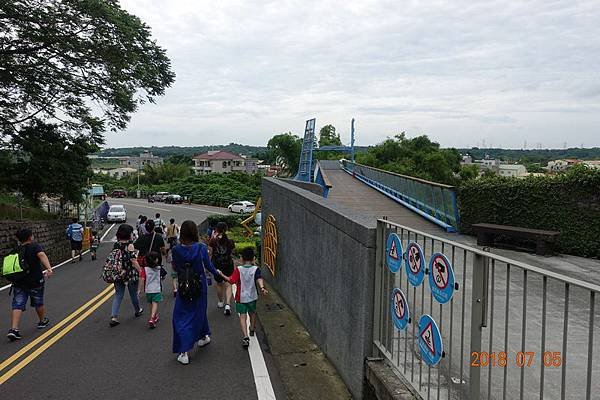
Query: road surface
(83, 358)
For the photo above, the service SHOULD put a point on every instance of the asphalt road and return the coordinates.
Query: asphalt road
(86, 359)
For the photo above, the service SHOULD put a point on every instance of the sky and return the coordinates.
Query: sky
(465, 73)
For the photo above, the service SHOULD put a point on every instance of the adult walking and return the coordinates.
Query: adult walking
(75, 235)
(132, 277)
(190, 323)
(222, 258)
(151, 241)
(30, 285)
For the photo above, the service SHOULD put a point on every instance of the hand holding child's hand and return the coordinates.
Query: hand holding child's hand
(264, 290)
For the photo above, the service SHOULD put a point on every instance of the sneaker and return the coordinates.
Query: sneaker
(13, 335)
(204, 341)
(139, 312)
(252, 332)
(227, 310)
(183, 358)
(113, 322)
(220, 304)
(43, 323)
(246, 342)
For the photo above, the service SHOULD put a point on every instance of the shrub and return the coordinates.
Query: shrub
(568, 203)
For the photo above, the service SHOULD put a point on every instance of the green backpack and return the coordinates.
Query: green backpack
(14, 266)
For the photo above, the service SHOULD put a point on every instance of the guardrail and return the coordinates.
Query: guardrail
(510, 331)
(434, 201)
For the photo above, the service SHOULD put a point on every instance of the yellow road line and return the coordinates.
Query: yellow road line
(49, 332)
(53, 340)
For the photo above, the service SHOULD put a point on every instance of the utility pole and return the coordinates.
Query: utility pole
(138, 178)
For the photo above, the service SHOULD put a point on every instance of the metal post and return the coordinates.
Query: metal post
(138, 180)
(377, 298)
(352, 139)
(478, 304)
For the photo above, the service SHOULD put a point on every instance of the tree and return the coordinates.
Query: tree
(48, 163)
(418, 157)
(286, 148)
(468, 172)
(328, 137)
(83, 66)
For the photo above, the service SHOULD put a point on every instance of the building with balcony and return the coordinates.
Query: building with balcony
(223, 162)
(145, 158)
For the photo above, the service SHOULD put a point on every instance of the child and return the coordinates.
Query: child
(152, 286)
(245, 277)
(94, 244)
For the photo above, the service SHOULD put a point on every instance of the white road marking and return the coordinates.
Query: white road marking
(262, 380)
(264, 388)
(69, 259)
(175, 207)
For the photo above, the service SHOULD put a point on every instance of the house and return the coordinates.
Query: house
(223, 162)
(488, 164)
(592, 164)
(512, 170)
(561, 165)
(121, 172)
(145, 158)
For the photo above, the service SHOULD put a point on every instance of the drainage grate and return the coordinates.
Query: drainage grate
(273, 307)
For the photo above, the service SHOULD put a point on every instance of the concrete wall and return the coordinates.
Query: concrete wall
(311, 187)
(50, 234)
(325, 259)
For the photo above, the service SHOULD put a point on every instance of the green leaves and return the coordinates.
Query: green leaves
(286, 148)
(418, 157)
(569, 203)
(84, 65)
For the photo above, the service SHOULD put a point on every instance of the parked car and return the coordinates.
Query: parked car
(174, 199)
(150, 198)
(241, 207)
(160, 196)
(119, 193)
(116, 213)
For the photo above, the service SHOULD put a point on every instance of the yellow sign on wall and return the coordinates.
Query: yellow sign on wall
(270, 244)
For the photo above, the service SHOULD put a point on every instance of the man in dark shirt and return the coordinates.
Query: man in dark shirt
(31, 286)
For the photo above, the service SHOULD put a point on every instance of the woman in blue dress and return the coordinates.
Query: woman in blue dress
(190, 323)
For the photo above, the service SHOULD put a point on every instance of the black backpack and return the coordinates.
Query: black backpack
(222, 255)
(189, 286)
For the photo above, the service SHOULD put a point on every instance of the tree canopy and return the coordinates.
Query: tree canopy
(328, 136)
(46, 162)
(418, 157)
(286, 147)
(84, 66)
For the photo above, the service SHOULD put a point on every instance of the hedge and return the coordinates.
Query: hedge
(568, 203)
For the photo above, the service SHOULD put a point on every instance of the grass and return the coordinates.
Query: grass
(10, 210)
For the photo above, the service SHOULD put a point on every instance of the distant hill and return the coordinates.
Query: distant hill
(534, 155)
(168, 151)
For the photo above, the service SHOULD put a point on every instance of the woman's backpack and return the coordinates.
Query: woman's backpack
(222, 253)
(189, 286)
(117, 265)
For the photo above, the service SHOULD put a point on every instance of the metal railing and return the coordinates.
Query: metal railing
(434, 201)
(510, 331)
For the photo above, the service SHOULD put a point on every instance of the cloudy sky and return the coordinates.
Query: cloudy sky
(466, 73)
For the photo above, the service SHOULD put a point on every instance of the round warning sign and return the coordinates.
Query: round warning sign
(393, 251)
(430, 340)
(400, 311)
(415, 263)
(441, 278)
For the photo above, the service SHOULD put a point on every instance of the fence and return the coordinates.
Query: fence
(510, 330)
(434, 201)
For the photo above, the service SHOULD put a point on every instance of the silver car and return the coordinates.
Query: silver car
(117, 213)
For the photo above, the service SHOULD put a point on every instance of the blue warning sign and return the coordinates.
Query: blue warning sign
(441, 278)
(430, 340)
(400, 311)
(415, 263)
(393, 251)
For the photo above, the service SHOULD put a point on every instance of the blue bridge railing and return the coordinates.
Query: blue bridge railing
(434, 201)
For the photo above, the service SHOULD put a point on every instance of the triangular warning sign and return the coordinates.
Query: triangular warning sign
(427, 336)
(394, 251)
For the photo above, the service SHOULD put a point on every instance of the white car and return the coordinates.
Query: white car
(117, 213)
(241, 207)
